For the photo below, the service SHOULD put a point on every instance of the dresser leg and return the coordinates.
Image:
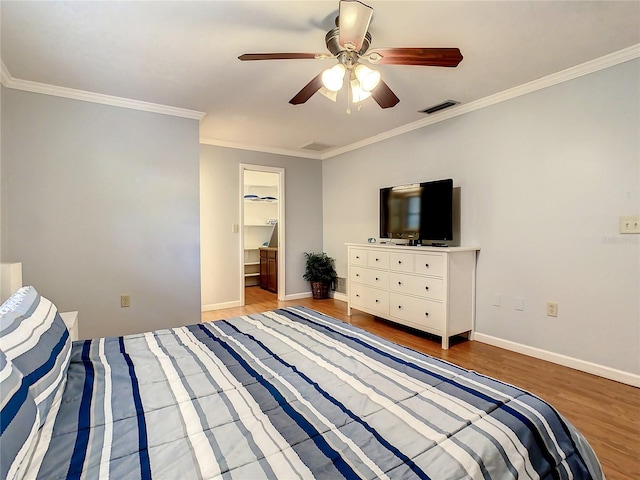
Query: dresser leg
(445, 342)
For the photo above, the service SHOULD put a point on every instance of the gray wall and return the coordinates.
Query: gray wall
(100, 201)
(220, 208)
(544, 178)
(1, 182)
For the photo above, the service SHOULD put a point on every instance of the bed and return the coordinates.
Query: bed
(289, 393)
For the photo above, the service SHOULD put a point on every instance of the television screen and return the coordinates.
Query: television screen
(436, 224)
(418, 211)
(400, 209)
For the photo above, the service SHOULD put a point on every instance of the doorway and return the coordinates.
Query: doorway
(262, 235)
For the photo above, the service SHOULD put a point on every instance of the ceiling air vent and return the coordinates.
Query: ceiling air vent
(437, 108)
(316, 146)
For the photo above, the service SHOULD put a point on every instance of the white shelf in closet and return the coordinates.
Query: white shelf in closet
(251, 267)
(259, 221)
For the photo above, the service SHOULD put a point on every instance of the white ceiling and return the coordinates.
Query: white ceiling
(184, 54)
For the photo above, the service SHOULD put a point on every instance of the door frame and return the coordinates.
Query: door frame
(281, 227)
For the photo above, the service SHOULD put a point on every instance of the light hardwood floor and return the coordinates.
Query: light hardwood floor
(606, 412)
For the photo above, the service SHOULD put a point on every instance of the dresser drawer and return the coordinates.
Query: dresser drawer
(420, 313)
(378, 259)
(429, 264)
(369, 298)
(401, 262)
(426, 287)
(357, 256)
(370, 276)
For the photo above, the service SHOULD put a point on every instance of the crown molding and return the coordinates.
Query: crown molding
(35, 87)
(586, 68)
(262, 149)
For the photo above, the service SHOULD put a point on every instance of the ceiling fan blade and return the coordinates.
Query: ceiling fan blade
(430, 57)
(307, 91)
(353, 22)
(383, 96)
(279, 56)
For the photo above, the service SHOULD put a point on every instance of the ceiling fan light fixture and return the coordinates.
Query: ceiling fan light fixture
(349, 43)
(330, 94)
(367, 77)
(333, 78)
(354, 18)
(358, 94)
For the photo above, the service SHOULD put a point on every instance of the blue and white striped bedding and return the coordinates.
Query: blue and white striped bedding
(34, 354)
(292, 393)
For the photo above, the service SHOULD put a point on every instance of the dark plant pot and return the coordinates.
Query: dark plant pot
(320, 290)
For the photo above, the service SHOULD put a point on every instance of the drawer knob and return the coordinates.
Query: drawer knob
(399, 262)
(377, 259)
(426, 265)
(377, 279)
(357, 274)
(427, 287)
(357, 295)
(426, 314)
(357, 257)
(399, 283)
(399, 307)
(377, 301)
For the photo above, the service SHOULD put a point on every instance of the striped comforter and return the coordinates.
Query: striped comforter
(292, 393)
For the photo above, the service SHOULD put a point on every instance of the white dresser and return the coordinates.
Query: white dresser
(428, 288)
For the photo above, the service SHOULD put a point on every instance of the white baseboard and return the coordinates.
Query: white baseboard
(295, 296)
(335, 295)
(340, 296)
(298, 296)
(575, 363)
(219, 306)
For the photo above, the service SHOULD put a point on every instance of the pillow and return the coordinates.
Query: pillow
(35, 340)
(19, 420)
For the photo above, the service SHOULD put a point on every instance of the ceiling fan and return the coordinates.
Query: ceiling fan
(349, 43)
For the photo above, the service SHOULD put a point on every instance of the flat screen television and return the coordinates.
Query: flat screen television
(421, 213)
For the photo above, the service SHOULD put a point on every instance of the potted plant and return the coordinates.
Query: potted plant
(320, 271)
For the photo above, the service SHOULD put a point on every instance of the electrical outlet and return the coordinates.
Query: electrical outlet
(630, 224)
(234, 228)
(552, 309)
(125, 301)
